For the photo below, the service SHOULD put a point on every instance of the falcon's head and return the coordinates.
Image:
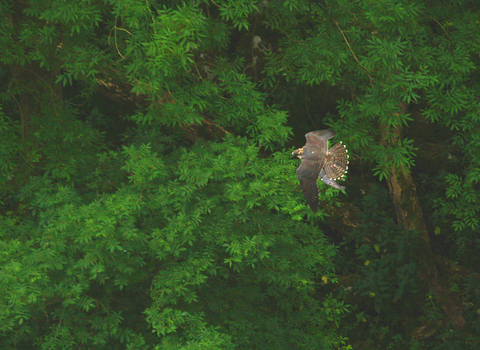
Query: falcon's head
(298, 153)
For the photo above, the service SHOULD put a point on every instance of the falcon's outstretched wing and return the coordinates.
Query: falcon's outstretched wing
(307, 173)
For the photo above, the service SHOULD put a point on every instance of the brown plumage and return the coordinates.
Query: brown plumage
(320, 162)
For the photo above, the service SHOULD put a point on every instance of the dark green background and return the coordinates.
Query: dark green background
(148, 195)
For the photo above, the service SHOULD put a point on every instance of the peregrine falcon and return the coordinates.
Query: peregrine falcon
(318, 161)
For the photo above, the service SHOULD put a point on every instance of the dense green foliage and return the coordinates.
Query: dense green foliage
(149, 199)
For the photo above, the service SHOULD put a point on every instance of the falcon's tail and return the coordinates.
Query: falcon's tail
(337, 164)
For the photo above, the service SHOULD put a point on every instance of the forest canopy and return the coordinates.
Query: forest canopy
(149, 198)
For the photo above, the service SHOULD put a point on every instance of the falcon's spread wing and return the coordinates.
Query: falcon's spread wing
(320, 162)
(321, 134)
(307, 173)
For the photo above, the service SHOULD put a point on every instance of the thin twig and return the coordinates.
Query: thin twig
(356, 59)
(195, 64)
(116, 46)
(308, 112)
(153, 18)
(19, 109)
(448, 36)
(52, 92)
(275, 88)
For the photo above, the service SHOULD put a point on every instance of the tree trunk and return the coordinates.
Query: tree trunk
(410, 216)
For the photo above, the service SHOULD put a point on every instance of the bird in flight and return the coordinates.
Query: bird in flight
(318, 161)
